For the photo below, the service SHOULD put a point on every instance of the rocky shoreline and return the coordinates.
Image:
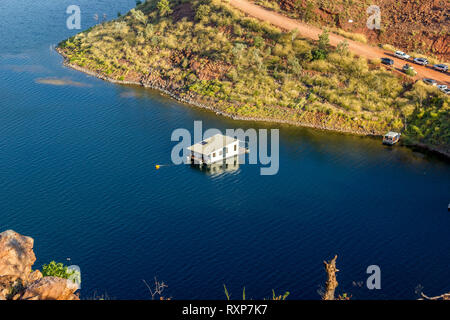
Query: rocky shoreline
(191, 102)
(17, 279)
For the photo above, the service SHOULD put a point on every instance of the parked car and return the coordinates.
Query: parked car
(440, 67)
(446, 91)
(421, 61)
(387, 61)
(401, 55)
(409, 70)
(429, 81)
(442, 87)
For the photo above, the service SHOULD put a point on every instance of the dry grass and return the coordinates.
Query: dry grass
(350, 35)
(250, 69)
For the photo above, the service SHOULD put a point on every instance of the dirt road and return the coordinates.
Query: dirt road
(308, 31)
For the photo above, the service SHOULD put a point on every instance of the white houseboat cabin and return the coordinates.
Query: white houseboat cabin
(213, 149)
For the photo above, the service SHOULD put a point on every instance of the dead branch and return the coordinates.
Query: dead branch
(157, 290)
(445, 296)
(331, 284)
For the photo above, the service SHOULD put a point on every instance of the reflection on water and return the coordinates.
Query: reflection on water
(229, 165)
(61, 82)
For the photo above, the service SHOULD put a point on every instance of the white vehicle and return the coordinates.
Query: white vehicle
(442, 87)
(391, 138)
(440, 67)
(446, 91)
(401, 55)
(421, 61)
(431, 82)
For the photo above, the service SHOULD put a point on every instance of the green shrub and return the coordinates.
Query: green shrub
(164, 8)
(324, 41)
(54, 269)
(203, 11)
(410, 72)
(319, 54)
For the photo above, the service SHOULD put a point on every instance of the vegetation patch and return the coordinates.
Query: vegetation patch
(54, 269)
(207, 52)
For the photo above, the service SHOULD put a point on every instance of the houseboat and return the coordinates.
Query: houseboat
(214, 149)
(391, 138)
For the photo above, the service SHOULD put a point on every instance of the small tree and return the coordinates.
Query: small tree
(164, 8)
(295, 65)
(139, 16)
(322, 51)
(324, 40)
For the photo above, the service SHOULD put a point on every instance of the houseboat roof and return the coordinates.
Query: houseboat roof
(211, 144)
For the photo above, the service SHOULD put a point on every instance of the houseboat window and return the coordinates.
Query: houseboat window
(214, 155)
(235, 147)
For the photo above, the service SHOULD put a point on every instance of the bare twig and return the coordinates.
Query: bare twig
(157, 290)
(445, 296)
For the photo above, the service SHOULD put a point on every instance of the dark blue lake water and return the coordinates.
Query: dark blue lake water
(77, 174)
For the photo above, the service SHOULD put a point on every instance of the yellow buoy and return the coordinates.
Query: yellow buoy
(157, 167)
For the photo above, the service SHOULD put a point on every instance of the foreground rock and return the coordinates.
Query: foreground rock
(18, 281)
(16, 255)
(50, 288)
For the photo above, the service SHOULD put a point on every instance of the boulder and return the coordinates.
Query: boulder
(17, 281)
(35, 275)
(16, 255)
(50, 288)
